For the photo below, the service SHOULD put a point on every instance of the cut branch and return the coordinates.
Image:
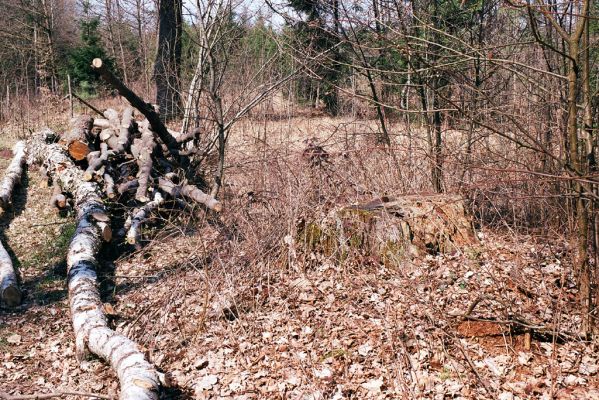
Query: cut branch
(96, 160)
(58, 199)
(145, 148)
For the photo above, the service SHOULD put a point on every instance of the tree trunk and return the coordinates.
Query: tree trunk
(168, 58)
(138, 379)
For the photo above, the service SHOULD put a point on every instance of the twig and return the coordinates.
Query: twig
(473, 368)
(6, 396)
(50, 223)
(472, 306)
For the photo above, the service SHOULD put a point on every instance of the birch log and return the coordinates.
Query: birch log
(9, 288)
(13, 174)
(138, 379)
(10, 293)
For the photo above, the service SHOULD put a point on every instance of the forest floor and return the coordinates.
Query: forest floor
(227, 324)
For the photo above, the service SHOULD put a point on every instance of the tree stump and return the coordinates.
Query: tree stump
(392, 229)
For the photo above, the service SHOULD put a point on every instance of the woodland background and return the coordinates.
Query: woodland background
(304, 105)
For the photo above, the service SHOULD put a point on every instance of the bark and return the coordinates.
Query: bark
(142, 106)
(13, 174)
(138, 379)
(189, 192)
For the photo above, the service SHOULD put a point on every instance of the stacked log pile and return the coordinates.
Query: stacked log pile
(130, 159)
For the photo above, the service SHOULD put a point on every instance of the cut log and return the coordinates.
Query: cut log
(127, 126)
(145, 147)
(392, 230)
(152, 116)
(96, 160)
(141, 215)
(189, 192)
(138, 379)
(58, 199)
(79, 139)
(13, 174)
(10, 294)
(101, 123)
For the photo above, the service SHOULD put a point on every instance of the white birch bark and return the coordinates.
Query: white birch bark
(13, 174)
(10, 294)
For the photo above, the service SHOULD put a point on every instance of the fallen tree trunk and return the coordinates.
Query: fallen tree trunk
(10, 294)
(13, 174)
(138, 379)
